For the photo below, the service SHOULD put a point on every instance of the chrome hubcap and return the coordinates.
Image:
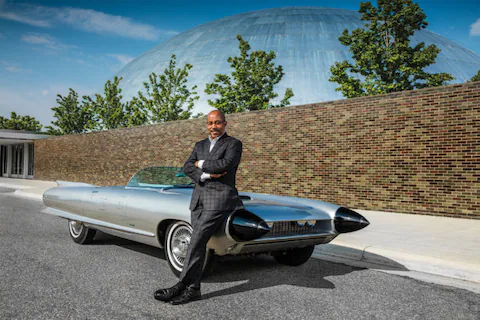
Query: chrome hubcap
(76, 228)
(180, 241)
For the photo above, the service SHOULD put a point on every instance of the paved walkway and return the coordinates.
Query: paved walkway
(447, 247)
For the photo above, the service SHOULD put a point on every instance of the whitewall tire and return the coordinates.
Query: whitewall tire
(176, 244)
(80, 233)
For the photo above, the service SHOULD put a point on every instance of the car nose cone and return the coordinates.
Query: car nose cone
(347, 220)
(246, 226)
(263, 228)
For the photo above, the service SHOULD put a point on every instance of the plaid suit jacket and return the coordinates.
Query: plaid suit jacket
(215, 194)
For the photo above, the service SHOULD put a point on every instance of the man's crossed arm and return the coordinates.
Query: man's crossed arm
(200, 170)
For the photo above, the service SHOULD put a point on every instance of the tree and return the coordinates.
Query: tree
(476, 77)
(199, 115)
(17, 122)
(167, 96)
(384, 60)
(251, 85)
(109, 112)
(71, 116)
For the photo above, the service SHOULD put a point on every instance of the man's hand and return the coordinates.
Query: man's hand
(217, 175)
(196, 164)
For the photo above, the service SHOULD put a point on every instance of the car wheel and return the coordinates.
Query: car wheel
(80, 233)
(294, 257)
(177, 240)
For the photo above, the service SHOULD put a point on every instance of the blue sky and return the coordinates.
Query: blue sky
(47, 47)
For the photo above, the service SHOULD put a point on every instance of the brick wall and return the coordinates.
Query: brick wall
(410, 152)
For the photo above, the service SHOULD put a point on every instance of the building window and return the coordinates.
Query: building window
(30, 159)
(17, 160)
(20, 160)
(3, 160)
(13, 167)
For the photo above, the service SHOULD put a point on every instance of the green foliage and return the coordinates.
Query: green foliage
(251, 84)
(109, 112)
(384, 60)
(17, 122)
(71, 116)
(476, 77)
(167, 96)
(199, 115)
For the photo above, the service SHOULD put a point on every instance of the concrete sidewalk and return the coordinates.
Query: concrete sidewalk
(27, 188)
(441, 246)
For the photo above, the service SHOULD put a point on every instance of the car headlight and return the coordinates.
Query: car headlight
(311, 223)
(308, 223)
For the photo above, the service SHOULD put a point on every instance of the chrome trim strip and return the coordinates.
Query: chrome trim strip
(293, 237)
(71, 216)
(227, 231)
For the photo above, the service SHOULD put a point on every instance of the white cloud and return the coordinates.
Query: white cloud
(45, 40)
(37, 38)
(475, 28)
(80, 61)
(24, 19)
(13, 67)
(102, 23)
(85, 20)
(45, 92)
(123, 58)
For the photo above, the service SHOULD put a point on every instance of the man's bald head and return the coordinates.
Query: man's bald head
(217, 112)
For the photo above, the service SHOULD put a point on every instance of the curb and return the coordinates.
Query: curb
(14, 186)
(34, 192)
(28, 194)
(380, 258)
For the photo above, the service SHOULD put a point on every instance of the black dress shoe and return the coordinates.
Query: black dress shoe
(187, 295)
(167, 294)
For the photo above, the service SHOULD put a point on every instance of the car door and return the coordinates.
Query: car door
(106, 204)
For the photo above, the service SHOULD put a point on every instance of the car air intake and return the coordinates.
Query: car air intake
(246, 226)
(347, 220)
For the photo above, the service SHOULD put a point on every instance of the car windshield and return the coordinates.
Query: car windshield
(160, 177)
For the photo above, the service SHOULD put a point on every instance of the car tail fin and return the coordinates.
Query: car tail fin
(73, 184)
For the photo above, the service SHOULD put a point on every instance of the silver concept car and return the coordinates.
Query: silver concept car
(153, 209)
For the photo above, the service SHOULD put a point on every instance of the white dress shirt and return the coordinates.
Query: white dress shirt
(205, 175)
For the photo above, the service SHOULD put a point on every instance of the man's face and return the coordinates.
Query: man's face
(215, 125)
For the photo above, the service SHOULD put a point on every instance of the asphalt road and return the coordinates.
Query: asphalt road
(45, 275)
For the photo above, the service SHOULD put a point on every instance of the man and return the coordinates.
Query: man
(213, 166)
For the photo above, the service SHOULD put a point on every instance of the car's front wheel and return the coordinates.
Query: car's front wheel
(294, 257)
(80, 233)
(177, 239)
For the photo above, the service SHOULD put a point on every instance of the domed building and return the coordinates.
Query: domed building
(305, 40)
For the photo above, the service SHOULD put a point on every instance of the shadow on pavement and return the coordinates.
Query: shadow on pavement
(106, 239)
(356, 257)
(261, 271)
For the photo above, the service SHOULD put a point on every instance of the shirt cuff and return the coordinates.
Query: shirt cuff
(205, 176)
(200, 164)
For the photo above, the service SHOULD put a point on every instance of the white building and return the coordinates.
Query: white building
(16, 153)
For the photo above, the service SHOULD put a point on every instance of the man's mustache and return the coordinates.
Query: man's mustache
(214, 130)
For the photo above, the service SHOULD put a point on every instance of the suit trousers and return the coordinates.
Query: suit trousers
(204, 224)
